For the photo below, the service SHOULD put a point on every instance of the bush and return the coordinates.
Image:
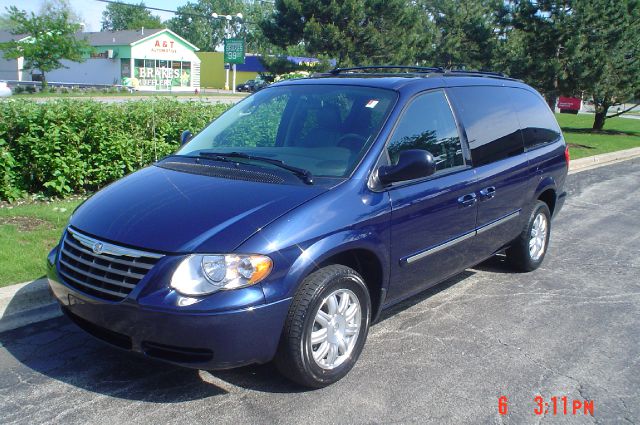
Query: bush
(73, 146)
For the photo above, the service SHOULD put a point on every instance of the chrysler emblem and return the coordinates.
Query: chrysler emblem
(97, 248)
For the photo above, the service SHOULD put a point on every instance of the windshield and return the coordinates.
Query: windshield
(324, 129)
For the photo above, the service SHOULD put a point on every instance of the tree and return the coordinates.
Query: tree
(118, 17)
(195, 23)
(6, 24)
(351, 31)
(606, 64)
(50, 39)
(55, 7)
(465, 35)
(534, 44)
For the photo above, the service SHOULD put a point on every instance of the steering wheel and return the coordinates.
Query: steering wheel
(351, 140)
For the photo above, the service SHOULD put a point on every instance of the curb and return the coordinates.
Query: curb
(596, 161)
(32, 302)
(26, 303)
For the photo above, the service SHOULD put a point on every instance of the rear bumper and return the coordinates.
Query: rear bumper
(202, 340)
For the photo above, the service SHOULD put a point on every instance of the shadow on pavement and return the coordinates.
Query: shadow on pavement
(59, 350)
(496, 264)
(421, 296)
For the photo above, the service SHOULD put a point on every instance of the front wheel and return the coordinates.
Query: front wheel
(528, 250)
(326, 327)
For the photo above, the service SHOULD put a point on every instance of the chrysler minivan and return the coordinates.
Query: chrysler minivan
(283, 229)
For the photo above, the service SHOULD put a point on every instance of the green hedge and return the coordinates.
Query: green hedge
(63, 147)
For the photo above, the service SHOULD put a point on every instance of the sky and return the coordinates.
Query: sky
(91, 10)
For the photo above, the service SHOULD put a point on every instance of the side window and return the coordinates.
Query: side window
(536, 120)
(428, 124)
(491, 124)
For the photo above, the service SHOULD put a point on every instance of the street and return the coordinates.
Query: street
(571, 328)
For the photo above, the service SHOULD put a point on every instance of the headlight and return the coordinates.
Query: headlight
(206, 274)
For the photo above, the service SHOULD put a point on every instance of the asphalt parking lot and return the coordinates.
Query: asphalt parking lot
(571, 328)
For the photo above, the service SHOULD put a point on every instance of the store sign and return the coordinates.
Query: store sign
(163, 77)
(164, 46)
(234, 50)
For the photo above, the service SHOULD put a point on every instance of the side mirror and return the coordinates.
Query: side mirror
(412, 164)
(185, 137)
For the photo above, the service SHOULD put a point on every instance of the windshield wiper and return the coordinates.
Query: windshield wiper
(305, 175)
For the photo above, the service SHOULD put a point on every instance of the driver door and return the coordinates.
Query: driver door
(433, 219)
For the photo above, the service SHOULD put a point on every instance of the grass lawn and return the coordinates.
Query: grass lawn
(27, 234)
(618, 134)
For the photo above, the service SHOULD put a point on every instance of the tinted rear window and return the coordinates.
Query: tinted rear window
(490, 122)
(538, 124)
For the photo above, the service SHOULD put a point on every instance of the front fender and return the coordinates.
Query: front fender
(310, 258)
(346, 218)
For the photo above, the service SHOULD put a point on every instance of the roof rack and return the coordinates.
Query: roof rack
(420, 70)
(412, 69)
(475, 72)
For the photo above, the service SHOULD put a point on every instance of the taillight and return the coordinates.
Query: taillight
(567, 156)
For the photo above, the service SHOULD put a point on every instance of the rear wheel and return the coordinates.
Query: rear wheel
(326, 327)
(528, 250)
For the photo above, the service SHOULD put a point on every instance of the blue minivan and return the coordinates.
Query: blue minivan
(283, 229)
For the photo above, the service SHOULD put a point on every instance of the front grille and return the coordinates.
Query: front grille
(102, 269)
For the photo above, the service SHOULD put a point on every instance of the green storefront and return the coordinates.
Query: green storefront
(150, 60)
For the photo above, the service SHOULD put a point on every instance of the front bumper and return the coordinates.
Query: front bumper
(218, 339)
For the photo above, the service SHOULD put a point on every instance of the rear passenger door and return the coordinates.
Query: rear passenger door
(432, 219)
(501, 165)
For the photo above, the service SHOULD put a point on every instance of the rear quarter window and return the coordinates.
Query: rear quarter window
(490, 122)
(538, 124)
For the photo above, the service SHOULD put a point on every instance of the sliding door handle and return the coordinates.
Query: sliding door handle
(488, 192)
(468, 200)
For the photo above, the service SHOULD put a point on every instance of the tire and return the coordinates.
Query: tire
(519, 254)
(305, 362)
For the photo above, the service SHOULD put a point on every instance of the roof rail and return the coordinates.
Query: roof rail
(475, 72)
(413, 69)
(419, 70)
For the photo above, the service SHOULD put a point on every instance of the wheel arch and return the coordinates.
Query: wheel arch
(547, 193)
(369, 266)
(365, 256)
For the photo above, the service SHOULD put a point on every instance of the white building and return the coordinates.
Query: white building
(11, 69)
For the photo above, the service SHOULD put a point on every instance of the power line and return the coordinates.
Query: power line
(175, 12)
(139, 6)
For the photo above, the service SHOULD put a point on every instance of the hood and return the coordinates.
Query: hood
(176, 212)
